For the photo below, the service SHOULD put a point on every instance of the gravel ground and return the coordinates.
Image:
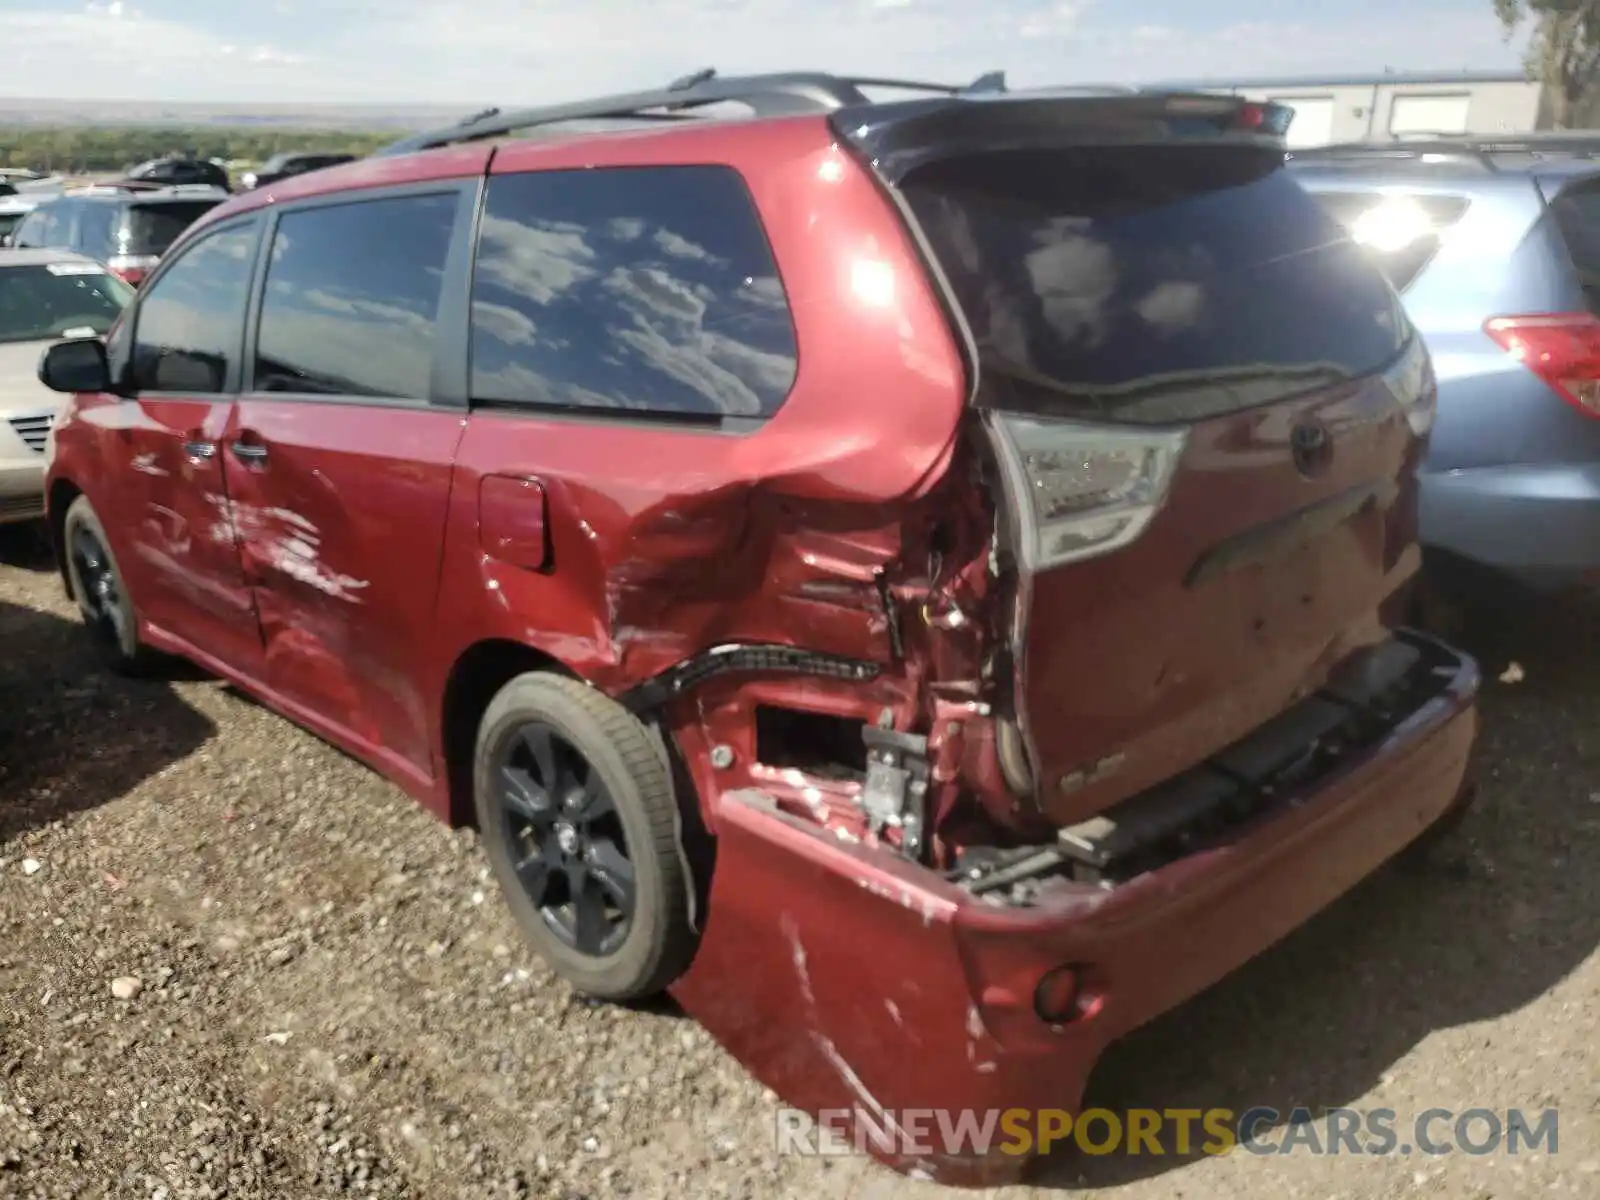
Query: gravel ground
(235, 963)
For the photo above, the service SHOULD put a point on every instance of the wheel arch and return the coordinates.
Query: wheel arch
(477, 675)
(57, 500)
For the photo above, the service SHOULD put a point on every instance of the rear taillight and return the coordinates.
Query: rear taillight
(1083, 490)
(1563, 349)
(131, 268)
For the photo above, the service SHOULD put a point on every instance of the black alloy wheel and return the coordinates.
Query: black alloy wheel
(568, 845)
(98, 587)
(575, 801)
(101, 598)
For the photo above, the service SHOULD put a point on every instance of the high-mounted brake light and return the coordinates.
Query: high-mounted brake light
(1563, 349)
(1083, 490)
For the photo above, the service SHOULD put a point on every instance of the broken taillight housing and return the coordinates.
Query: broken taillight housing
(1563, 349)
(1083, 490)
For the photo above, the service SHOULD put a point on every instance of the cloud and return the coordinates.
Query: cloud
(472, 52)
(539, 263)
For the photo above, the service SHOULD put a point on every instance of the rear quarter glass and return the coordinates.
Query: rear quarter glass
(1577, 215)
(1152, 284)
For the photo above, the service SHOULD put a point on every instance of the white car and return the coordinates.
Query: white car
(45, 295)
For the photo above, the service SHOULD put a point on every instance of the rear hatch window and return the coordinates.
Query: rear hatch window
(1577, 214)
(152, 228)
(1151, 284)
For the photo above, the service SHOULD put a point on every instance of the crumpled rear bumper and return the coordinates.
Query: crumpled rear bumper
(845, 978)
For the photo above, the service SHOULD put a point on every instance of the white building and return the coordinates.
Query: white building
(1375, 107)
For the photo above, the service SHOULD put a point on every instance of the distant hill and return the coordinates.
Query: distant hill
(17, 112)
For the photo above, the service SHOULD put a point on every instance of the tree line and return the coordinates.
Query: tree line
(83, 149)
(1563, 50)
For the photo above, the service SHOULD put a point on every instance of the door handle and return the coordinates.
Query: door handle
(200, 450)
(250, 452)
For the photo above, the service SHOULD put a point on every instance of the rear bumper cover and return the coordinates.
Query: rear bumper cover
(1539, 523)
(847, 979)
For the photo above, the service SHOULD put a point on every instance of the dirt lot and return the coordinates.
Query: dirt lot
(330, 1001)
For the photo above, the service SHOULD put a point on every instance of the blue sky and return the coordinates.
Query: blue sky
(471, 51)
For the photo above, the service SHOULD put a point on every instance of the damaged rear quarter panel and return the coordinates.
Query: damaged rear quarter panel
(666, 541)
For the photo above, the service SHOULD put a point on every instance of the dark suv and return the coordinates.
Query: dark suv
(284, 166)
(915, 579)
(179, 170)
(127, 228)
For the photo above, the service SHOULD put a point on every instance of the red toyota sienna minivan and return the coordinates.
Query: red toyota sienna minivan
(919, 580)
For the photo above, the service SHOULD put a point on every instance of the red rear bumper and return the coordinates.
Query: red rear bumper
(845, 978)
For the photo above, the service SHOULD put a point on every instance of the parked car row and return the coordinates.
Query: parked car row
(156, 188)
(73, 254)
(924, 582)
(179, 169)
(126, 227)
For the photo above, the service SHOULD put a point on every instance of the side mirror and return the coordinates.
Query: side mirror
(5, 240)
(76, 366)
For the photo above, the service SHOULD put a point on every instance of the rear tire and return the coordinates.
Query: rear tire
(103, 600)
(580, 823)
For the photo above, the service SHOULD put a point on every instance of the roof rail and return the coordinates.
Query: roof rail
(1484, 149)
(767, 95)
(141, 187)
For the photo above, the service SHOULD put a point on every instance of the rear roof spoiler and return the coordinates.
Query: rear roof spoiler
(846, 98)
(899, 137)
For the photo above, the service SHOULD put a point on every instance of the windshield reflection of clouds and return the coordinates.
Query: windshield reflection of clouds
(352, 296)
(643, 288)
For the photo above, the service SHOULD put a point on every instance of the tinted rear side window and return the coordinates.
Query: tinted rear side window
(1577, 215)
(352, 298)
(1152, 284)
(637, 288)
(152, 228)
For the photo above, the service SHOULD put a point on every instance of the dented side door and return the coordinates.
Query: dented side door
(340, 464)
